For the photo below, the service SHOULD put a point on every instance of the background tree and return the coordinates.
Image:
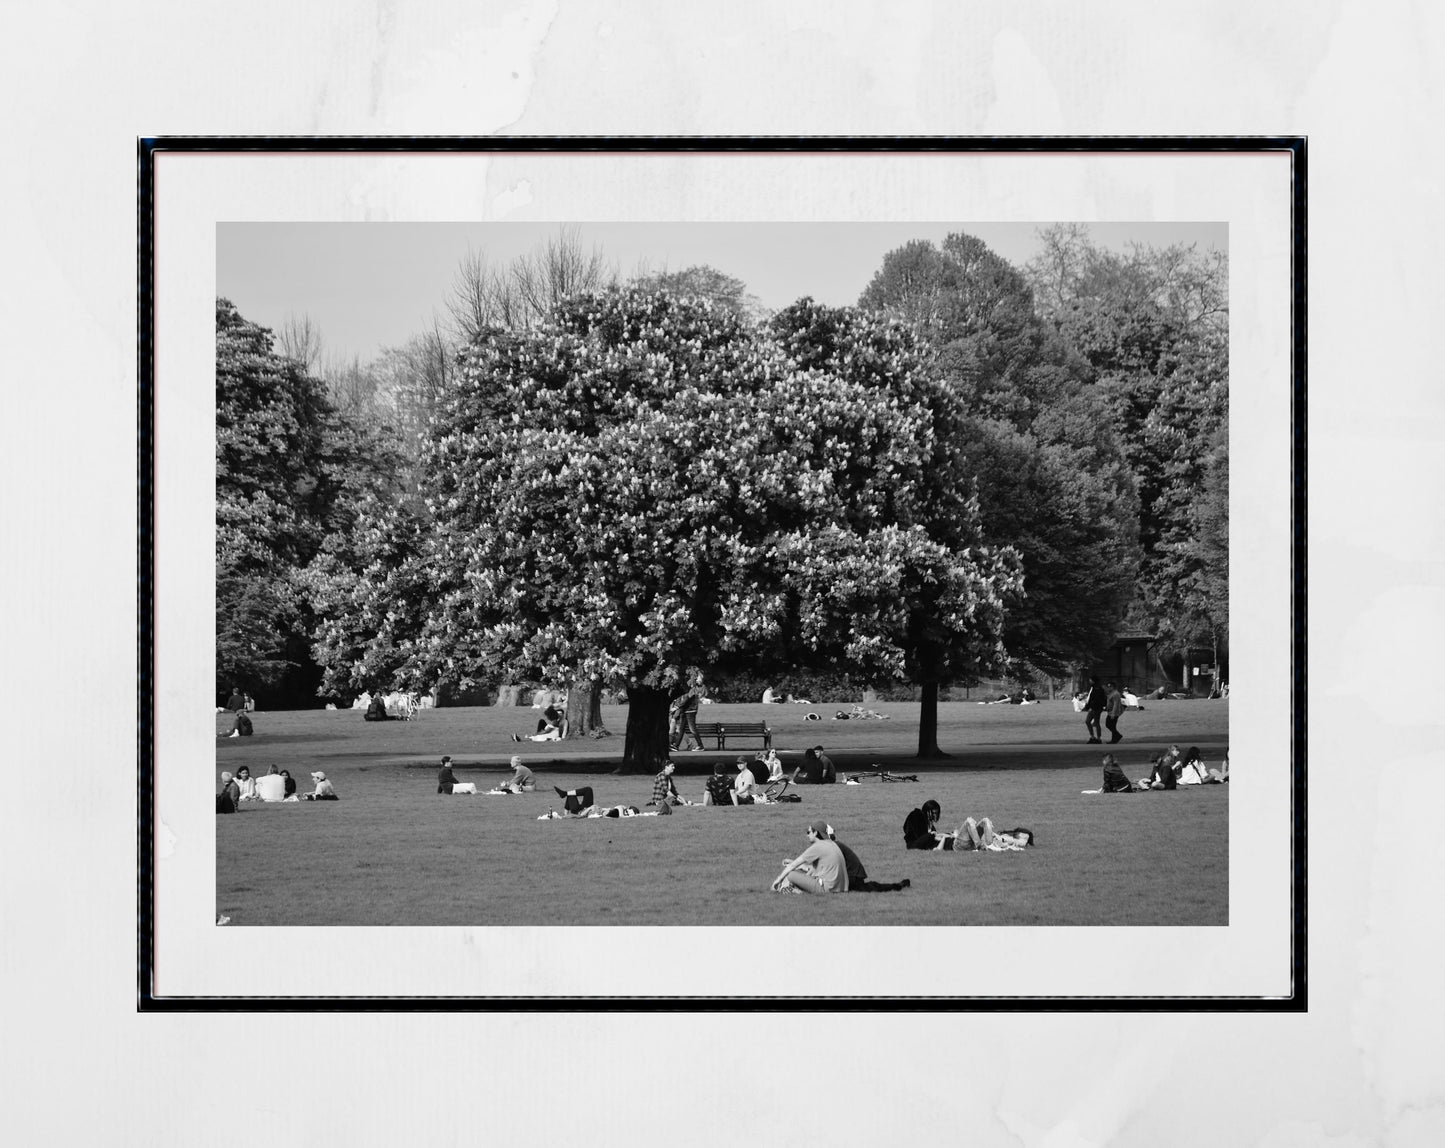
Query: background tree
(1032, 442)
(704, 282)
(1152, 325)
(522, 293)
(289, 471)
(645, 490)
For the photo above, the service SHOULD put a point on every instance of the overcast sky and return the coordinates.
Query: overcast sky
(373, 285)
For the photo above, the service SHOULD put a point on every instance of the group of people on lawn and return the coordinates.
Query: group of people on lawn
(1169, 769)
(274, 785)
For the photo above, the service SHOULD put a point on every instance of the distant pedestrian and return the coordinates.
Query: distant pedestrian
(1114, 706)
(687, 720)
(1094, 702)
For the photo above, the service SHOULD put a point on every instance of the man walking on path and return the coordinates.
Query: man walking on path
(1114, 704)
(1093, 707)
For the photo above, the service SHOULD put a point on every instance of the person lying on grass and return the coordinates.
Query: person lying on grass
(919, 832)
(820, 868)
(324, 790)
(858, 876)
(575, 802)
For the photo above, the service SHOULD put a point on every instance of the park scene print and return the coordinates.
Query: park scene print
(634, 574)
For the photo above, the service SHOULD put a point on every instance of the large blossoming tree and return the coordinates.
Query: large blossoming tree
(647, 490)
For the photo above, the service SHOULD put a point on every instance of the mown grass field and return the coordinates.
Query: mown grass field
(394, 852)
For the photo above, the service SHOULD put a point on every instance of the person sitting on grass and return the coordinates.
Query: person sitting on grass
(324, 790)
(664, 789)
(522, 779)
(247, 784)
(858, 876)
(820, 868)
(290, 782)
(376, 711)
(1221, 775)
(767, 771)
(271, 786)
(446, 779)
(719, 790)
(1164, 772)
(746, 790)
(818, 768)
(228, 796)
(1115, 780)
(549, 726)
(242, 726)
(920, 829)
(1192, 769)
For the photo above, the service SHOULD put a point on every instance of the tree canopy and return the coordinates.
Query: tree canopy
(1034, 441)
(289, 473)
(645, 489)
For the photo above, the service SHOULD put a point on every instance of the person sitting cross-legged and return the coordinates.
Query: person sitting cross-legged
(820, 868)
(920, 830)
(818, 768)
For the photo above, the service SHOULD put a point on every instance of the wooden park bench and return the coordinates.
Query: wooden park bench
(721, 731)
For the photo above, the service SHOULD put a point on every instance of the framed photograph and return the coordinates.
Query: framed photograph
(350, 346)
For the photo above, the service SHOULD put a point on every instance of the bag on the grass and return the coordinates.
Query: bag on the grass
(790, 797)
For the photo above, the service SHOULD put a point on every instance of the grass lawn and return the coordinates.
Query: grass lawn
(394, 852)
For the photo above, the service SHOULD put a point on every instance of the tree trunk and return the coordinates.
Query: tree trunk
(647, 745)
(584, 710)
(928, 722)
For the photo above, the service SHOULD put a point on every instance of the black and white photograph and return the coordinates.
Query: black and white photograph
(911, 540)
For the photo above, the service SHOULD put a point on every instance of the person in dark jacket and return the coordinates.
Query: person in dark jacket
(1115, 780)
(376, 711)
(1094, 702)
(445, 777)
(858, 876)
(920, 832)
